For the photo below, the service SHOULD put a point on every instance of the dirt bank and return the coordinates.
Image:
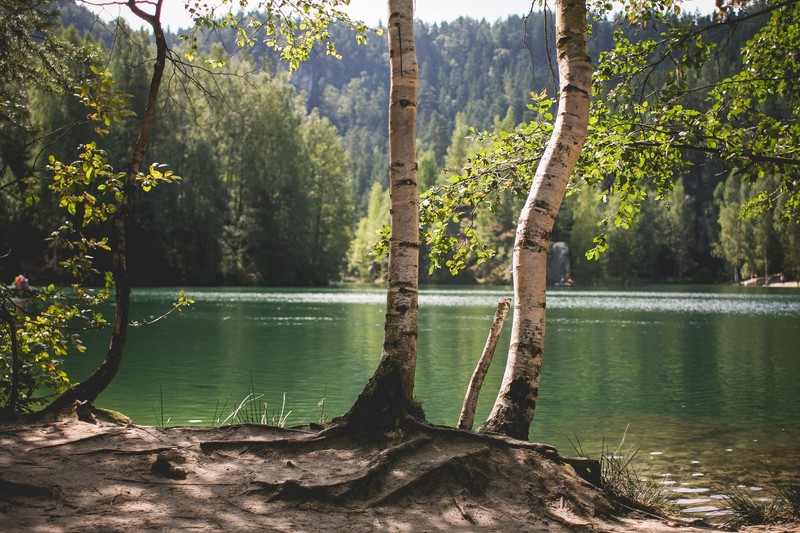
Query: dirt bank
(77, 476)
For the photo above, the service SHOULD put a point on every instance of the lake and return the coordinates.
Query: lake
(702, 381)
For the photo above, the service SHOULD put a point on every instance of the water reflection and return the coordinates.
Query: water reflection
(677, 302)
(637, 301)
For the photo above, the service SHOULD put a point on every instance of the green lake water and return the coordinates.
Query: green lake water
(703, 382)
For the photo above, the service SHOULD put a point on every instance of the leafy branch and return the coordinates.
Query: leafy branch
(293, 28)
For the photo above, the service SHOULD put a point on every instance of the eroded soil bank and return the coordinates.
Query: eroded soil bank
(77, 476)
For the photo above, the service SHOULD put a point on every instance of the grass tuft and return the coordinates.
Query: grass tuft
(161, 422)
(746, 510)
(624, 482)
(251, 411)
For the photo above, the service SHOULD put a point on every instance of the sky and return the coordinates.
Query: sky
(372, 12)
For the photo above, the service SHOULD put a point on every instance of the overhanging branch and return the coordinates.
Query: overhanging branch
(751, 156)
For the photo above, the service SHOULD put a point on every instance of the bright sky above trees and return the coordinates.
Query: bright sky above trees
(374, 11)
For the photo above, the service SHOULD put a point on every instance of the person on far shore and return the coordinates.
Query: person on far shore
(21, 282)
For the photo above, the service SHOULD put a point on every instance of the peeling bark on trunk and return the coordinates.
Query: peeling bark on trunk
(514, 408)
(88, 390)
(390, 392)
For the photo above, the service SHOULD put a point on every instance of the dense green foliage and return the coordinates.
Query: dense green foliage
(683, 104)
(255, 216)
(38, 326)
(240, 215)
(84, 207)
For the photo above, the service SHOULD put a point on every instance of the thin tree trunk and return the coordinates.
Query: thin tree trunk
(90, 389)
(467, 417)
(389, 395)
(13, 394)
(515, 405)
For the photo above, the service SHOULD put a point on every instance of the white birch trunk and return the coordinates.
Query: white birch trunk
(514, 408)
(390, 392)
(400, 340)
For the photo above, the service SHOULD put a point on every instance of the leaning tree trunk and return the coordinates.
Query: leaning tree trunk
(389, 395)
(88, 390)
(514, 408)
(467, 417)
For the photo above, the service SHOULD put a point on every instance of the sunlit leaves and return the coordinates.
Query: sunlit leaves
(179, 305)
(40, 326)
(87, 188)
(647, 126)
(447, 212)
(156, 175)
(47, 324)
(755, 112)
(106, 104)
(291, 28)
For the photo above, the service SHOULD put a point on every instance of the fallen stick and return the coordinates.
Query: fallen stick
(467, 418)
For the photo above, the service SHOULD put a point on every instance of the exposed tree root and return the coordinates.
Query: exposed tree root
(414, 461)
(464, 513)
(260, 445)
(399, 466)
(463, 470)
(359, 486)
(115, 451)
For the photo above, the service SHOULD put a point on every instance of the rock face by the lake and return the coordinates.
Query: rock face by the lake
(559, 268)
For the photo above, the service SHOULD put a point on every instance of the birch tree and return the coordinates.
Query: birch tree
(642, 124)
(514, 408)
(389, 394)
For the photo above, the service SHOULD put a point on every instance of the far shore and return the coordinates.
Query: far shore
(774, 284)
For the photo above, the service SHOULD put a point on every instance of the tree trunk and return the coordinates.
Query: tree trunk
(467, 417)
(88, 390)
(389, 395)
(514, 408)
(10, 320)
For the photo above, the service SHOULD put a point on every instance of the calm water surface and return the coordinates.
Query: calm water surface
(703, 382)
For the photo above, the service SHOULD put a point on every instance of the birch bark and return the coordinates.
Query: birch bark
(390, 392)
(400, 341)
(514, 407)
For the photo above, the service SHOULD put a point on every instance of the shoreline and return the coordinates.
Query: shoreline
(773, 285)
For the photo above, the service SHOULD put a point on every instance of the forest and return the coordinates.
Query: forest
(240, 216)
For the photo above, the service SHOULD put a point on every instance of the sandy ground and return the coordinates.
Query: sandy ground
(776, 285)
(78, 476)
(785, 285)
